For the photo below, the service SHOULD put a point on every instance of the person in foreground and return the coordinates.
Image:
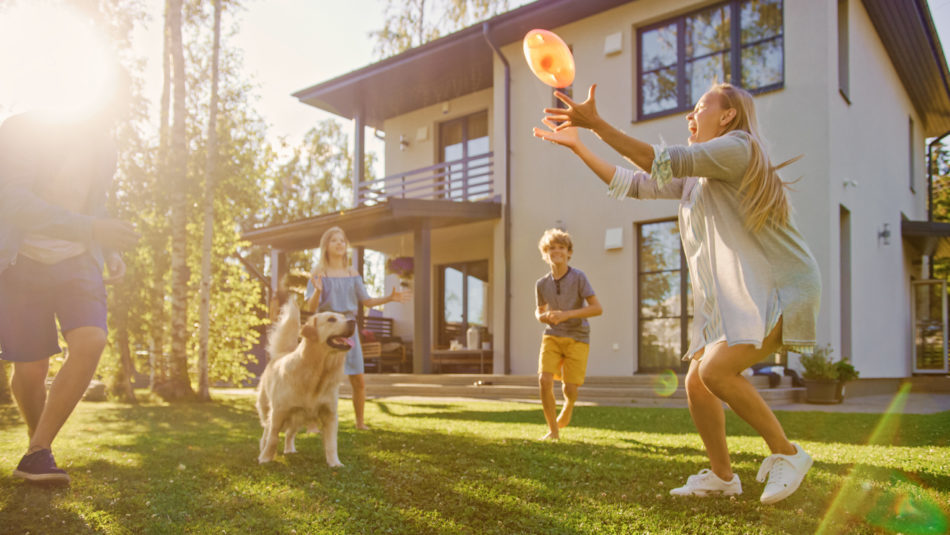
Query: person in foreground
(565, 343)
(756, 287)
(54, 239)
(336, 287)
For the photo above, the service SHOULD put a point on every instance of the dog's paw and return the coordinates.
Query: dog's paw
(336, 464)
(288, 451)
(262, 459)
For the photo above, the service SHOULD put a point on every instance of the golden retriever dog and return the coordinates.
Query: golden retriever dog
(301, 383)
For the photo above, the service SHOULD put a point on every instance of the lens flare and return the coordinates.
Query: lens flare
(665, 383)
(62, 62)
(882, 497)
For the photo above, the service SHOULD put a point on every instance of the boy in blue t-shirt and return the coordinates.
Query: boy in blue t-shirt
(565, 344)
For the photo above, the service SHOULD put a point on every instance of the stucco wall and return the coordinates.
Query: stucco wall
(864, 141)
(869, 140)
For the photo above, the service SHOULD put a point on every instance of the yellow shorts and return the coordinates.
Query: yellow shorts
(564, 357)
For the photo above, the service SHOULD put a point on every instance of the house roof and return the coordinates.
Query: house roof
(395, 216)
(461, 63)
(908, 33)
(449, 67)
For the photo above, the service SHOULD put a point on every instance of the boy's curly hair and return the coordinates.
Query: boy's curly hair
(552, 236)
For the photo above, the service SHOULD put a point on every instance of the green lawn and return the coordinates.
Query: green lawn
(476, 467)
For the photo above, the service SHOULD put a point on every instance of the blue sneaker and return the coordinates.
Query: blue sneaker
(40, 467)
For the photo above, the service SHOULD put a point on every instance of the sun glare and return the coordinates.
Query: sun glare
(54, 59)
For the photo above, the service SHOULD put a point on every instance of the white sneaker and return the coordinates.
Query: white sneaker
(706, 483)
(785, 474)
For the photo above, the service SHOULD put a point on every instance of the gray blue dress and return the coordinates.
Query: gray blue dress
(343, 295)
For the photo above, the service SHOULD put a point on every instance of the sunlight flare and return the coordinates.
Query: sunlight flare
(56, 60)
(882, 497)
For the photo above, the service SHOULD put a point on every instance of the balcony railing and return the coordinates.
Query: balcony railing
(468, 179)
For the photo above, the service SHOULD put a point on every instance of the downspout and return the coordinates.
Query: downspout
(930, 192)
(507, 207)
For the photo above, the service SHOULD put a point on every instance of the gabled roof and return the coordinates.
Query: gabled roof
(449, 67)
(461, 63)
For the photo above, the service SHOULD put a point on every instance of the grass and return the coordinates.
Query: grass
(467, 467)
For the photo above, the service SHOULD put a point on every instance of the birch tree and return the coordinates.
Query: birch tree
(210, 169)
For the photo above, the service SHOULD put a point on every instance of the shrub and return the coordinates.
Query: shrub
(819, 365)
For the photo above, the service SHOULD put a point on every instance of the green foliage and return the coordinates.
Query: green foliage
(411, 23)
(846, 371)
(465, 467)
(819, 365)
(249, 190)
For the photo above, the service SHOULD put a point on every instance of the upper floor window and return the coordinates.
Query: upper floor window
(739, 41)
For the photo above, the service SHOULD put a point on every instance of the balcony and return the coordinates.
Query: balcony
(465, 180)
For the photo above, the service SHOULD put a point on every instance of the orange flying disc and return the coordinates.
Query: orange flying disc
(549, 58)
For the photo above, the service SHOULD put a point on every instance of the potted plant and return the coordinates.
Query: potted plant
(820, 377)
(846, 374)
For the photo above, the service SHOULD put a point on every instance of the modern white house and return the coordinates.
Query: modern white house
(856, 86)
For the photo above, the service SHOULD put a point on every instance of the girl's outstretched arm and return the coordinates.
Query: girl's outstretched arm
(567, 137)
(584, 115)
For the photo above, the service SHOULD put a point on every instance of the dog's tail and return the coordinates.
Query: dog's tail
(282, 337)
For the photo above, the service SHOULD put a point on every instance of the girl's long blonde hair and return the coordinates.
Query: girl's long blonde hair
(324, 261)
(763, 194)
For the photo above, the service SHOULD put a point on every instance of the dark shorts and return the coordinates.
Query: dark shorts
(33, 295)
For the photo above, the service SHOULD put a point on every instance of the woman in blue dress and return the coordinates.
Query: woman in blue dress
(337, 287)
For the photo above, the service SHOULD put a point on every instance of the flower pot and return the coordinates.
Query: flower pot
(821, 391)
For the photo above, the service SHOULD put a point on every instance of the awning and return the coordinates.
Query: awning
(394, 216)
(928, 237)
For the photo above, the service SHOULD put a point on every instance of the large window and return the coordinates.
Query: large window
(665, 300)
(740, 41)
(463, 289)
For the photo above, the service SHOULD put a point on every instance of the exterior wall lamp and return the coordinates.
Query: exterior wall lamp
(403, 143)
(884, 235)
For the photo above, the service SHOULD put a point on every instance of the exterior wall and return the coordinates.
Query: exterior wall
(869, 141)
(864, 141)
(456, 244)
(422, 153)
(551, 187)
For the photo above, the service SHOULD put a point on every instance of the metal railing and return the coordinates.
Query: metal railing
(465, 180)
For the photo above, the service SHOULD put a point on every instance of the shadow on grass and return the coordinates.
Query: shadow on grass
(29, 508)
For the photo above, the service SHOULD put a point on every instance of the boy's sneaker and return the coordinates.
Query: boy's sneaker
(706, 483)
(785, 474)
(40, 467)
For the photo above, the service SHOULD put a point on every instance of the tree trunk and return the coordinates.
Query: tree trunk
(121, 387)
(178, 385)
(210, 170)
(158, 368)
